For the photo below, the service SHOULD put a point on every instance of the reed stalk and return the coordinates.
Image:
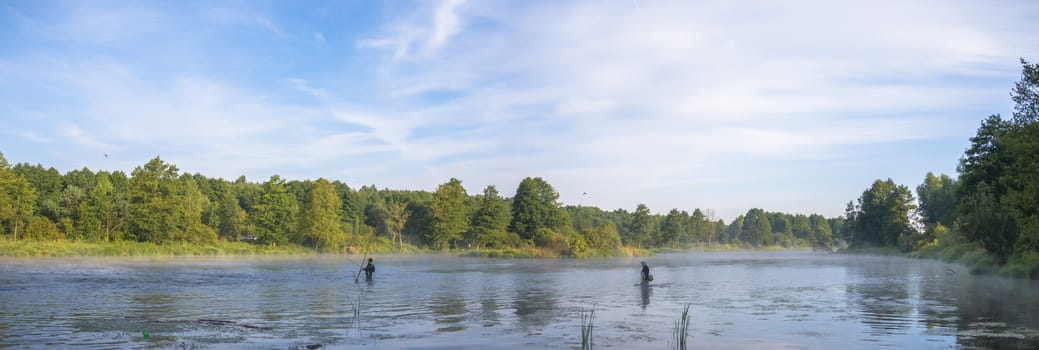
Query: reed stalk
(587, 319)
(681, 330)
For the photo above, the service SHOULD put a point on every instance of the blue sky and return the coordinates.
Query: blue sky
(792, 106)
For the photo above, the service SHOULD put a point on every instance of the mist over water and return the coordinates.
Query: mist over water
(758, 300)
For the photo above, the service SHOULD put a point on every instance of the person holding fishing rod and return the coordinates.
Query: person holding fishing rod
(369, 270)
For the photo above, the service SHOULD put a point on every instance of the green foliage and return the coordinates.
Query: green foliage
(640, 228)
(734, 230)
(1026, 94)
(450, 215)
(42, 229)
(881, 218)
(548, 238)
(396, 218)
(491, 220)
(17, 199)
(821, 232)
(603, 237)
(353, 207)
(1023, 265)
(937, 196)
(189, 203)
(59, 248)
(801, 227)
(158, 205)
(675, 226)
(152, 202)
(99, 212)
(48, 186)
(274, 215)
(228, 217)
(757, 229)
(535, 206)
(999, 176)
(319, 220)
(986, 221)
(577, 247)
(508, 253)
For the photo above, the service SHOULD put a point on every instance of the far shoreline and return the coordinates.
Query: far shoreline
(70, 248)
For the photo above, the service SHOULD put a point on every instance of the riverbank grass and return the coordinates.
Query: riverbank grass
(978, 260)
(68, 248)
(542, 252)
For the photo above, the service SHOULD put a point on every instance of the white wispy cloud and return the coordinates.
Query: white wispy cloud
(445, 23)
(419, 34)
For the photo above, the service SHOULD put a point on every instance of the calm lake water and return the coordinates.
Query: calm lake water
(745, 300)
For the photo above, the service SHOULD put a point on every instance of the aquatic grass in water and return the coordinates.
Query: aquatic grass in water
(681, 330)
(587, 319)
(357, 313)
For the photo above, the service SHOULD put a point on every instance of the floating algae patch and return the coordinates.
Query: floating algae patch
(450, 329)
(166, 333)
(996, 330)
(143, 329)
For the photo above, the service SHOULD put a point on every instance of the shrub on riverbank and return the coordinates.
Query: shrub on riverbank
(885, 251)
(378, 245)
(503, 253)
(955, 249)
(539, 252)
(1023, 266)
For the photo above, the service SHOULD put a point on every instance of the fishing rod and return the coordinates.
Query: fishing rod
(363, 258)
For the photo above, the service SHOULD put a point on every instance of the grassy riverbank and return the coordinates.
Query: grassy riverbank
(537, 252)
(975, 258)
(65, 248)
(726, 248)
(969, 254)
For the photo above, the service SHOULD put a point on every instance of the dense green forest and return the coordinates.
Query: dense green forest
(987, 217)
(157, 203)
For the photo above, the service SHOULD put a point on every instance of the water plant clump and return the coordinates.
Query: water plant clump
(587, 320)
(681, 330)
(357, 313)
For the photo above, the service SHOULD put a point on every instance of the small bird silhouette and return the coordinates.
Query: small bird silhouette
(584, 193)
(106, 155)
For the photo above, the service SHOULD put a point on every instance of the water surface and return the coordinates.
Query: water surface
(744, 300)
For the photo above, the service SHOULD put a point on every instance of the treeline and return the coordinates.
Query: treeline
(993, 204)
(157, 203)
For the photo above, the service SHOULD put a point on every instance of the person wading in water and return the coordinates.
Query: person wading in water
(646, 277)
(369, 270)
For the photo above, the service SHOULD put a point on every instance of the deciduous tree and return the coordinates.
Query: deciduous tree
(397, 216)
(152, 197)
(450, 215)
(275, 211)
(535, 206)
(320, 221)
(491, 220)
